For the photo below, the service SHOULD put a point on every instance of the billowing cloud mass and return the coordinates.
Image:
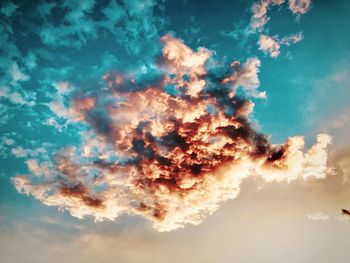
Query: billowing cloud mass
(171, 147)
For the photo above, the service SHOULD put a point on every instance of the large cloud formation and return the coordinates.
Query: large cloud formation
(170, 148)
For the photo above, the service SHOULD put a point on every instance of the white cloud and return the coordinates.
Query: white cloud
(315, 160)
(292, 39)
(246, 77)
(318, 216)
(269, 45)
(19, 152)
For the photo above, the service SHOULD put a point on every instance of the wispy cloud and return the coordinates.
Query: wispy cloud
(299, 6)
(318, 216)
(259, 19)
(272, 45)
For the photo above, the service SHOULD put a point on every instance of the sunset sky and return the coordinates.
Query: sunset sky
(174, 131)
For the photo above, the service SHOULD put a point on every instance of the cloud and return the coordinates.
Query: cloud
(17, 74)
(127, 21)
(315, 161)
(75, 25)
(24, 185)
(14, 97)
(260, 10)
(8, 9)
(130, 27)
(343, 162)
(269, 45)
(246, 77)
(30, 60)
(272, 45)
(39, 153)
(42, 169)
(7, 141)
(163, 154)
(318, 216)
(292, 39)
(19, 152)
(60, 105)
(299, 7)
(259, 18)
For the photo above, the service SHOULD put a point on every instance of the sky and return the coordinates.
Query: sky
(174, 131)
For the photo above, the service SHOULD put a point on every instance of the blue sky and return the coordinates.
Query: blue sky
(54, 52)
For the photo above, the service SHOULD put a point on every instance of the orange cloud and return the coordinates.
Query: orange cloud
(168, 157)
